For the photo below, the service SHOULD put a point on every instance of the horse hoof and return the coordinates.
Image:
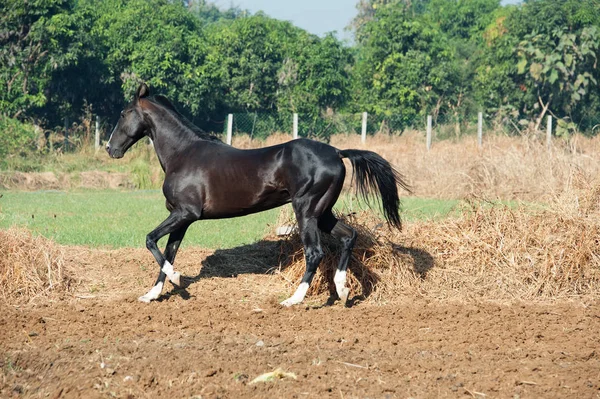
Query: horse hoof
(152, 294)
(176, 279)
(288, 302)
(344, 295)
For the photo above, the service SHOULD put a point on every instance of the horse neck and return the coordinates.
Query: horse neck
(171, 139)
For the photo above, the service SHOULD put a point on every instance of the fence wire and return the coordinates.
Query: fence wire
(260, 125)
(320, 127)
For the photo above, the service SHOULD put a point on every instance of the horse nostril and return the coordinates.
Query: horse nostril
(107, 148)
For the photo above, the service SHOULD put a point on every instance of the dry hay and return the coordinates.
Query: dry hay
(495, 252)
(492, 252)
(30, 267)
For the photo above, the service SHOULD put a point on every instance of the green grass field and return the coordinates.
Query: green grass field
(109, 218)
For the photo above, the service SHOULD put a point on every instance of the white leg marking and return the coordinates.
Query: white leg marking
(298, 295)
(340, 285)
(152, 294)
(173, 276)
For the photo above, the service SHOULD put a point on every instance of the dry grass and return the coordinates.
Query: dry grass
(30, 267)
(244, 141)
(492, 252)
(506, 167)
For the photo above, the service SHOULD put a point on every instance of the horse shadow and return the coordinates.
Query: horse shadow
(262, 257)
(271, 256)
(422, 260)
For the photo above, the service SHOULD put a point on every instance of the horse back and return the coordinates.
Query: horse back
(228, 182)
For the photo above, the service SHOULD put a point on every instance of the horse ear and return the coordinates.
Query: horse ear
(142, 91)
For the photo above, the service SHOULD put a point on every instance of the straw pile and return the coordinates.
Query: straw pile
(491, 252)
(502, 253)
(30, 267)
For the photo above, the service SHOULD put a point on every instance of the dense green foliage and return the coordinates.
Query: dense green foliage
(16, 137)
(449, 58)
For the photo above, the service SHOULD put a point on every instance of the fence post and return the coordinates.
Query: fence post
(480, 129)
(363, 132)
(66, 142)
(97, 136)
(549, 132)
(295, 126)
(229, 128)
(429, 122)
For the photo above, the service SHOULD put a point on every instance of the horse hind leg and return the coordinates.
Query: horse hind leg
(347, 235)
(313, 254)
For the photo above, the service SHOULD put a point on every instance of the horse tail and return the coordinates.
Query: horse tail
(370, 173)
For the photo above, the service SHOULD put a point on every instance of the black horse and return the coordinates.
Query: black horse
(207, 179)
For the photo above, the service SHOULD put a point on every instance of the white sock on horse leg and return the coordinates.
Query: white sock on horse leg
(152, 294)
(173, 276)
(298, 295)
(340, 285)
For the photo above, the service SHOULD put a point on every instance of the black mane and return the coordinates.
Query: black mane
(166, 103)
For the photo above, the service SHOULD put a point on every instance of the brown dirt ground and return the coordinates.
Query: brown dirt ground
(212, 339)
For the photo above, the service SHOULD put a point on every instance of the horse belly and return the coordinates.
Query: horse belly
(239, 203)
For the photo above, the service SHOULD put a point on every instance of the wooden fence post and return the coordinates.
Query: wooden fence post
(363, 132)
(229, 128)
(295, 126)
(480, 129)
(429, 122)
(97, 136)
(549, 132)
(66, 142)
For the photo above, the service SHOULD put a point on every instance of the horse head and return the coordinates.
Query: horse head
(131, 126)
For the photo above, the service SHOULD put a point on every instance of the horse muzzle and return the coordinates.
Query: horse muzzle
(114, 153)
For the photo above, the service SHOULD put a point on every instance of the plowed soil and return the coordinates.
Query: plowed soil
(213, 338)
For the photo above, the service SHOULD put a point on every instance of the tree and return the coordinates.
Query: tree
(463, 20)
(314, 75)
(404, 66)
(560, 68)
(463, 23)
(35, 40)
(367, 10)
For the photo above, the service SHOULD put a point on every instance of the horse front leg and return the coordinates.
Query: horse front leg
(176, 225)
(171, 249)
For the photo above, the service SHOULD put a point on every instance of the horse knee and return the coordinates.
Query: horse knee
(350, 241)
(313, 258)
(150, 242)
(346, 234)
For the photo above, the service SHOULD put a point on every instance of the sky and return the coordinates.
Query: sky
(315, 16)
